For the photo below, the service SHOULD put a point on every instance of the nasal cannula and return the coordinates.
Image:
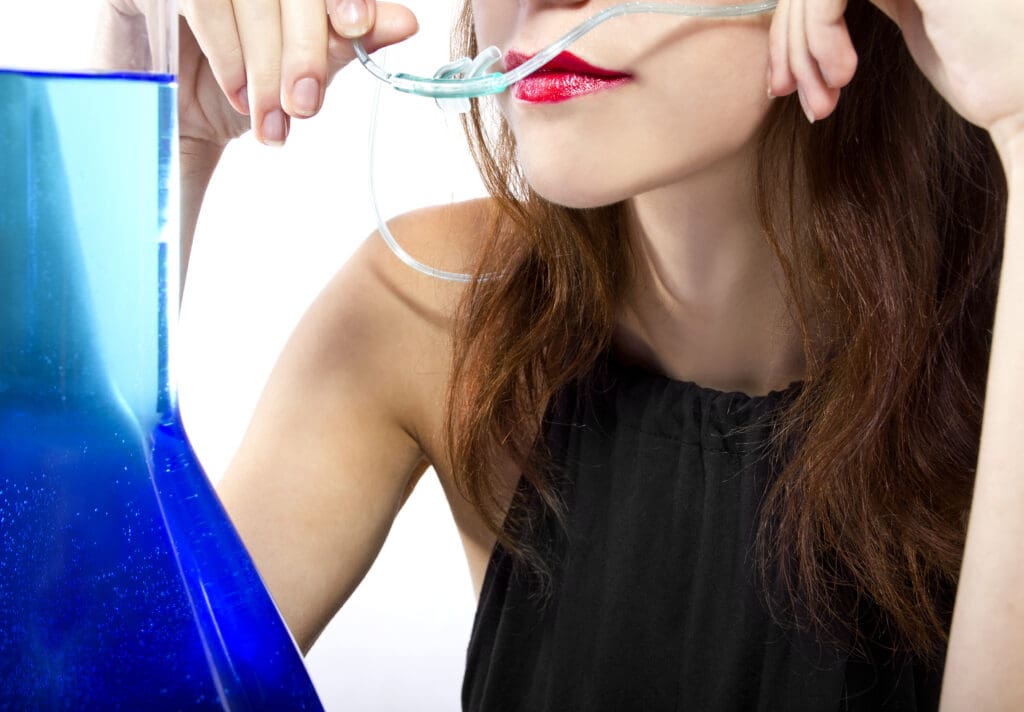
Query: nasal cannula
(456, 82)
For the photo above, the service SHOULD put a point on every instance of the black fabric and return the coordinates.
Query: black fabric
(654, 603)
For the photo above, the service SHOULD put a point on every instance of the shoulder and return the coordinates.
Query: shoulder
(394, 324)
(403, 324)
(446, 237)
(348, 419)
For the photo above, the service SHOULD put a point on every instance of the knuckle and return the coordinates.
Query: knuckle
(305, 65)
(230, 64)
(304, 45)
(839, 66)
(263, 88)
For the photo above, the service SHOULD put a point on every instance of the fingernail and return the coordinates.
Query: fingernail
(274, 128)
(306, 96)
(770, 95)
(353, 18)
(243, 98)
(803, 104)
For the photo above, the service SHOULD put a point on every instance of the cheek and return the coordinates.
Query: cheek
(625, 153)
(493, 21)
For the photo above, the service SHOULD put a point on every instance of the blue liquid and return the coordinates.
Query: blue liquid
(123, 585)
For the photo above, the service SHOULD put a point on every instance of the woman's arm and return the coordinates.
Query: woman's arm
(339, 435)
(198, 161)
(985, 660)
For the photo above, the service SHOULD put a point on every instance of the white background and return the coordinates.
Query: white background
(275, 226)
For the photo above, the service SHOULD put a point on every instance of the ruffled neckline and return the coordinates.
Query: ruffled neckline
(628, 395)
(620, 367)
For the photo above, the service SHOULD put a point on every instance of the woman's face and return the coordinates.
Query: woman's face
(697, 93)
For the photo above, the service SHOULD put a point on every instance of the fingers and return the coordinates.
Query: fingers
(120, 40)
(217, 36)
(828, 41)
(816, 97)
(352, 18)
(273, 59)
(393, 23)
(259, 29)
(811, 53)
(304, 56)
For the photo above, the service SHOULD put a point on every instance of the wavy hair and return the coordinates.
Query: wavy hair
(887, 220)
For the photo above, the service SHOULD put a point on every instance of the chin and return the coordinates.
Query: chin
(580, 199)
(578, 187)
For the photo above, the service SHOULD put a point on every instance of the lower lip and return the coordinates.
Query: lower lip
(553, 87)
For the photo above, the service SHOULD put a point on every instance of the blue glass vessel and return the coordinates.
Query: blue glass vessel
(123, 584)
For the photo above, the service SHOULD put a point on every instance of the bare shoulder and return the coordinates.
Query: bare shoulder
(350, 418)
(413, 317)
(401, 320)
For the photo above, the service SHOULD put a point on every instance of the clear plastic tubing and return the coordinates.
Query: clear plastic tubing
(456, 82)
(445, 85)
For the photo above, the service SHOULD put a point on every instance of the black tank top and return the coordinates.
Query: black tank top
(653, 604)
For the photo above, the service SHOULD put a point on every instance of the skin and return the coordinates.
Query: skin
(707, 306)
(367, 419)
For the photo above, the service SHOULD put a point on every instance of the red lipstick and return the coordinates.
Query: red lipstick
(564, 77)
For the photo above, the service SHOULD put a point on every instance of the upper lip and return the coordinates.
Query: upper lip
(563, 62)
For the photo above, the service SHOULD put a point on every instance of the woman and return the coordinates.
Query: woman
(710, 438)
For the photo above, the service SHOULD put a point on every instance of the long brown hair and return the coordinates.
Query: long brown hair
(887, 219)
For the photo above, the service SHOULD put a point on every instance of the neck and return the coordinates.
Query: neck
(707, 303)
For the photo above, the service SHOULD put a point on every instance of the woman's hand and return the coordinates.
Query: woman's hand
(258, 62)
(970, 50)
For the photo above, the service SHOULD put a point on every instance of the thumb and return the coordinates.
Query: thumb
(394, 23)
